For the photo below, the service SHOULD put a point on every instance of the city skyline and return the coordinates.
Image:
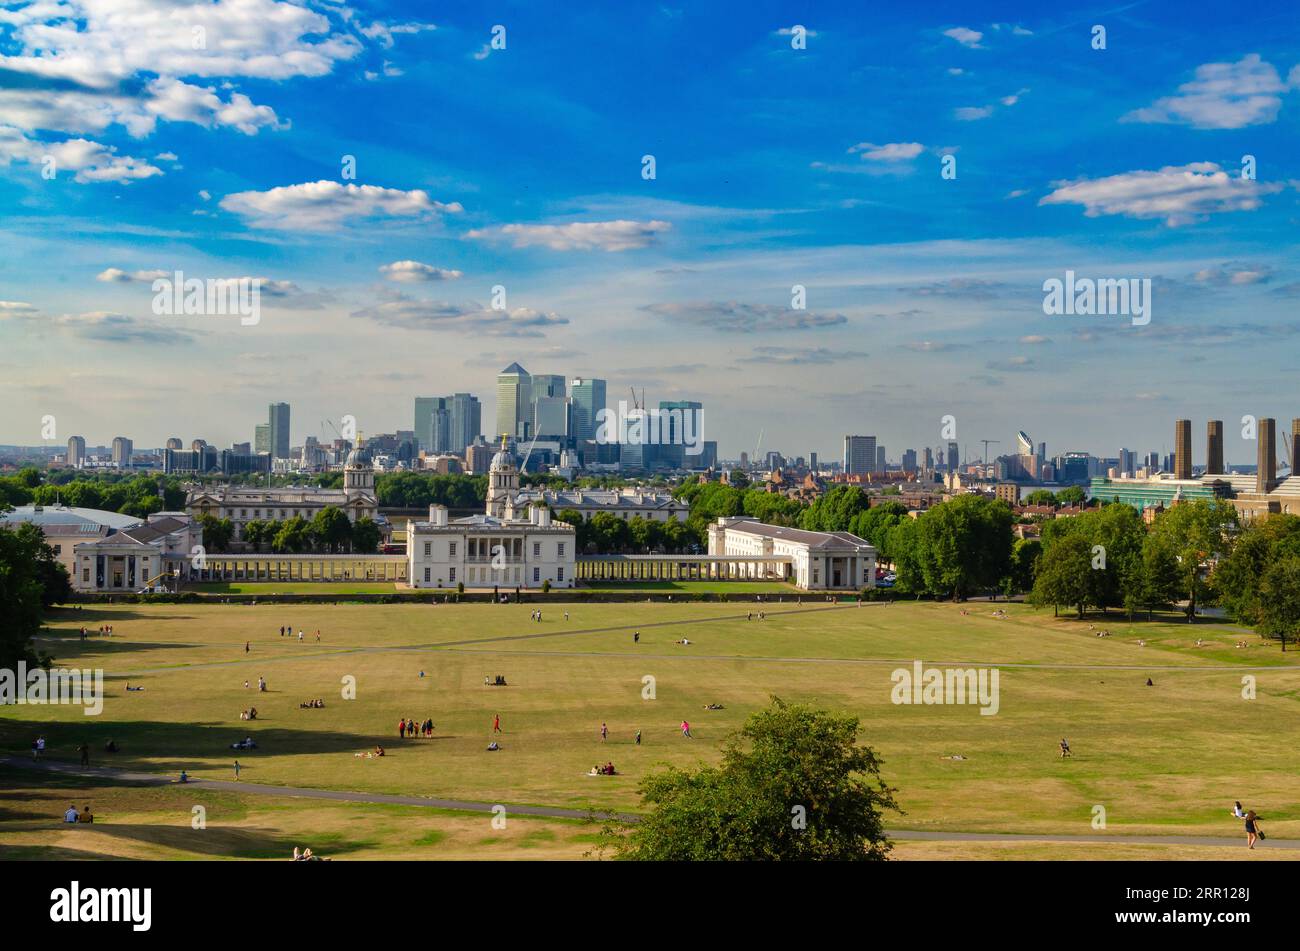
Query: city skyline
(425, 251)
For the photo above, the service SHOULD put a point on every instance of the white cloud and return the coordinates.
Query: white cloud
(413, 272)
(1178, 193)
(91, 161)
(1234, 273)
(115, 275)
(412, 314)
(322, 205)
(1221, 96)
(889, 152)
(619, 235)
(383, 33)
(964, 36)
(973, 113)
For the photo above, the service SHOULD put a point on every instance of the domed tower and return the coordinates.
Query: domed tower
(503, 482)
(358, 473)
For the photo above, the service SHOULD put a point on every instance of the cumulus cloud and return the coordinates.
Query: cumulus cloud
(1221, 96)
(414, 272)
(735, 317)
(410, 313)
(800, 356)
(621, 235)
(115, 275)
(1234, 274)
(889, 152)
(972, 113)
(1177, 193)
(965, 36)
(324, 205)
(932, 346)
(90, 161)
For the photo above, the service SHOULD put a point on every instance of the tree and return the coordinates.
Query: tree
(793, 785)
(217, 533)
(1195, 531)
(738, 479)
(23, 595)
(835, 510)
(1279, 600)
(1040, 497)
(365, 536)
(1261, 543)
(1071, 495)
(964, 545)
(293, 536)
(1024, 562)
(330, 529)
(1062, 577)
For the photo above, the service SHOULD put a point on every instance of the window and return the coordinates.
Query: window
(58, 549)
(427, 571)
(559, 574)
(537, 574)
(452, 574)
(537, 549)
(85, 575)
(453, 549)
(428, 553)
(559, 551)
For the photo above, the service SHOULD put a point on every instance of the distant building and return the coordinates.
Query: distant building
(262, 438)
(122, 450)
(588, 397)
(144, 555)
(66, 527)
(1183, 449)
(76, 451)
(859, 454)
(817, 560)
(278, 421)
(514, 402)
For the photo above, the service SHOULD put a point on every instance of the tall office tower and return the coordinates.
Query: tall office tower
(1266, 468)
(909, 460)
(1127, 462)
(744, 460)
(954, 458)
(262, 437)
(1042, 453)
(76, 451)
(441, 427)
(859, 454)
(812, 462)
(549, 384)
(1183, 449)
(1214, 446)
(1295, 446)
(197, 445)
(681, 433)
(122, 448)
(173, 443)
(466, 420)
(241, 449)
(551, 417)
(425, 407)
(588, 400)
(929, 458)
(514, 399)
(278, 420)
(1153, 461)
(880, 459)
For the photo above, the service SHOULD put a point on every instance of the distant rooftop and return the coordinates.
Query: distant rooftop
(91, 520)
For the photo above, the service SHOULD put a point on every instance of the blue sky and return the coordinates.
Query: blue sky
(775, 166)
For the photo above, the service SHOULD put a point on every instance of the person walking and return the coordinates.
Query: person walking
(236, 770)
(401, 728)
(686, 730)
(84, 750)
(604, 732)
(638, 737)
(1065, 748)
(247, 647)
(496, 723)
(1253, 831)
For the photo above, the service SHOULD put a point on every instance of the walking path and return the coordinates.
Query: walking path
(554, 812)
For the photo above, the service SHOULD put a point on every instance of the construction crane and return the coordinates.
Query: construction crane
(987, 442)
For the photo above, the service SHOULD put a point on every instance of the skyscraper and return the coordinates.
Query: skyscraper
(954, 457)
(909, 460)
(262, 438)
(859, 454)
(1127, 462)
(122, 449)
(588, 400)
(278, 421)
(1266, 467)
(1214, 446)
(514, 402)
(680, 422)
(76, 451)
(425, 407)
(880, 459)
(551, 417)
(1183, 449)
(1295, 446)
(174, 443)
(929, 458)
(466, 421)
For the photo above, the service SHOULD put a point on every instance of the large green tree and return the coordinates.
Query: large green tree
(794, 785)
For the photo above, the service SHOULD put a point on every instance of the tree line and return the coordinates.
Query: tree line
(328, 531)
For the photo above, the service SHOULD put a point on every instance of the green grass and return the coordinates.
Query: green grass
(1169, 758)
(291, 587)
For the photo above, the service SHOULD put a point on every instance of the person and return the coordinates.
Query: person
(84, 750)
(636, 638)
(496, 723)
(110, 746)
(566, 615)
(300, 637)
(236, 769)
(604, 732)
(71, 814)
(1065, 748)
(638, 737)
(86, 816)
(686, 730)
(1237, 811)
(297, 856)
(184, 777)
(401, 728)
(492, 747)
(282, 635)
(247, 648)
(261, 684)
(1253, 830)
(379, 751)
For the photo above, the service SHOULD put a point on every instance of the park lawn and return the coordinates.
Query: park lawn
(266, 588)
(138, 822)
(1169, 758)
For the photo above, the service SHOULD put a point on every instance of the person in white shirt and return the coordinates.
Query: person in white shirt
(1237, 811)
(70, 815)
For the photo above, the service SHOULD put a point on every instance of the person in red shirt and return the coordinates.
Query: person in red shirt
(401, 728)
(496, 723)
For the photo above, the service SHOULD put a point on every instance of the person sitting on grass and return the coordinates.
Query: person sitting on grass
(1065, 748)
(493, 747)
(71, 814)
(86, 816)
(110, 746)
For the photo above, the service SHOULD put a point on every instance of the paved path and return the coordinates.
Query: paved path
(553, 812)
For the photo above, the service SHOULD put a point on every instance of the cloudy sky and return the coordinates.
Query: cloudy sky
(383, 166)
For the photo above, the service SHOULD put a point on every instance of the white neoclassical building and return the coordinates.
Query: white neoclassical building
(492, 550)
(817, 561)
(145, 555)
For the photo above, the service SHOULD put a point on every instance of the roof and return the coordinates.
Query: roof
(600, 498)
(91, 520)
(515, 368)
(799, 535)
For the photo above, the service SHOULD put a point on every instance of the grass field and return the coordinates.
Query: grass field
(1166, 759)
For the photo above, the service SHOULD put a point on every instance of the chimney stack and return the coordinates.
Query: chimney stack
(1266, 467)
(1295, 445)
(1183, 449)
(1214, 447)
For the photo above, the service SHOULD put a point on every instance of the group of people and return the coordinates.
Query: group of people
(85, 816)
(409, 728)
(606, 770)
(498, 681)
(749, 616)
(249, 714)
(105, 630)
(247, 743)
(288, 632)
(317, 704)
(537, 616)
